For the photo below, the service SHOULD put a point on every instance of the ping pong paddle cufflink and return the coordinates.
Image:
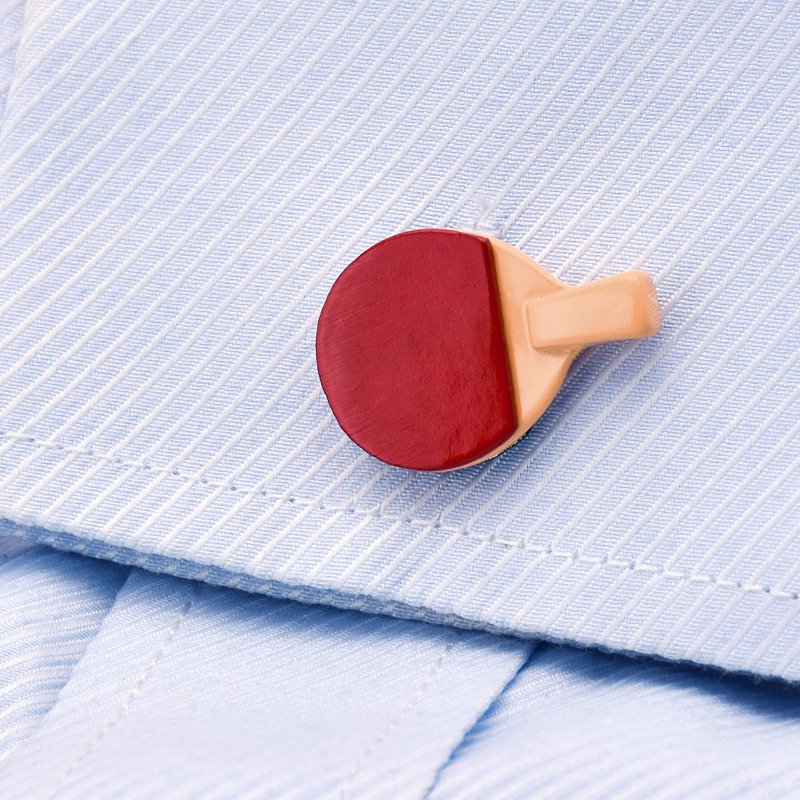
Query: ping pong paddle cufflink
(438, 349)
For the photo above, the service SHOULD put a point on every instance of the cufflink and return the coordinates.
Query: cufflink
(439, 349)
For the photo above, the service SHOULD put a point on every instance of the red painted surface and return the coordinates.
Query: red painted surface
(411, 353)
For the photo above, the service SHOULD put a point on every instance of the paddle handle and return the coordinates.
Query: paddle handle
(623, 306)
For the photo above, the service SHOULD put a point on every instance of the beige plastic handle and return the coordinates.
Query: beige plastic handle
(623, 306)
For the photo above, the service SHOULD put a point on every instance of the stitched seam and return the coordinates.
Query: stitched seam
(127, 703)
(20, 531)
(544, 551)
(409, 707)
(482, 713)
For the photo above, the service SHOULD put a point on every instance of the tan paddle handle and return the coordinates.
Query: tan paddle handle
(623, 306)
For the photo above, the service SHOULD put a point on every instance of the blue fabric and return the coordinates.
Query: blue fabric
(171, 689)
(11, 16)
(191, 691)
(182, 181)
(51, 607)
(575, 724)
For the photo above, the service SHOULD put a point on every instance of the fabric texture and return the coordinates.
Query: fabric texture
(51, 607)
(11, 14)
(575, 724)
(191, 691)
(175, 689)
(181, 183)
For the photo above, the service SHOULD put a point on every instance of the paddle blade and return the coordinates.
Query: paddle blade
(411, 351)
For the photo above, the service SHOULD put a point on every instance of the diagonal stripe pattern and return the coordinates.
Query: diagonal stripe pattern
(575, 724)
(193, 691)
(182, 182)
(53, 606)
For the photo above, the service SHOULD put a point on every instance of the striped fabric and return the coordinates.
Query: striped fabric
(182, 181)
(51, 607)
(172, 689)
(194, 692)
(11, 13)
(576, 724)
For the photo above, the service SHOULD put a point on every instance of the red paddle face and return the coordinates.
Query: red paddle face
(411, 351)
